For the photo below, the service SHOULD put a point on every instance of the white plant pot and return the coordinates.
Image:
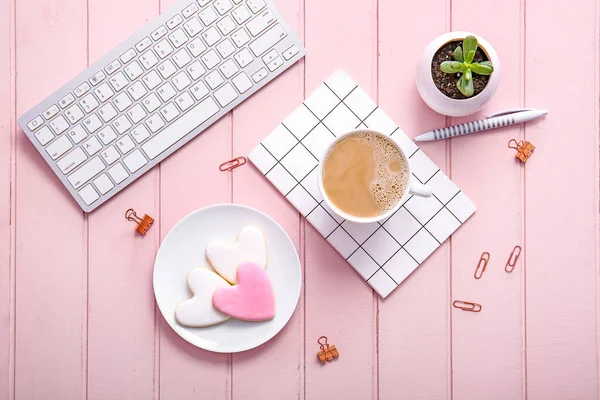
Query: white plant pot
(439, 101)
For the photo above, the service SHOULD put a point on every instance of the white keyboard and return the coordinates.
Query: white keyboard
(157, 91)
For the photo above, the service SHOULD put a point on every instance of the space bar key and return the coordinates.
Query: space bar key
(180, 128)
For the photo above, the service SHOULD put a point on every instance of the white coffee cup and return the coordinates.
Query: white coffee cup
(413, 186)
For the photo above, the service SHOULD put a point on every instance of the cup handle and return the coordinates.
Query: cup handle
(420, 190)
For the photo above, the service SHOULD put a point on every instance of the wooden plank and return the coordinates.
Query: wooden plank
(339, 304)
(414, 335)
(190, 180)
(121, 361)
(50, 249)
(561, 237)
(7, 110)
(281, 358)
(486, 170)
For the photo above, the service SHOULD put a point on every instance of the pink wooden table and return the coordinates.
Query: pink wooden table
(77, 313)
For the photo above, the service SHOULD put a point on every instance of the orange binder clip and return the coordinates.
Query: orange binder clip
(467, 306)
(233, 164)
(482, 265)
(512, 259)
(143, 224)
(328, 352)
(524, 149)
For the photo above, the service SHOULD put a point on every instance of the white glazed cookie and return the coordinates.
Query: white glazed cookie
(225, 258)
(199, 311)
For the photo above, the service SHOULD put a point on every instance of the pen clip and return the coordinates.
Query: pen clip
(513, 111)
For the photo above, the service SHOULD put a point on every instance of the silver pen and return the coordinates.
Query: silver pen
(498, 120)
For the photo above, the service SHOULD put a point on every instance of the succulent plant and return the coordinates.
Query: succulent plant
(463, 64)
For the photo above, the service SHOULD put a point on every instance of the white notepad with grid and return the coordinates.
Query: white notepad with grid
(384, 254)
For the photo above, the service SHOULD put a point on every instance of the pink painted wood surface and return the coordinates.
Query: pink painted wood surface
(85, 323)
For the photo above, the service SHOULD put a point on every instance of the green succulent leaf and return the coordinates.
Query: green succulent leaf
(469, 44)
(468, 74)
(452, 67)
(482, 68)
(458, 54)
(465, 86)
(470, 57)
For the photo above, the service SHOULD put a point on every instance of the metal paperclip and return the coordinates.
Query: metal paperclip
(233, 164)
(328, 352)
(524, 149)
(512, 259)
(143, 224)
(482, 265)
(467, 306)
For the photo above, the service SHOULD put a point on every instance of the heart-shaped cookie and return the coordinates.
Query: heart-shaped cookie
(199, 310)
(252, 299)
(225, 257)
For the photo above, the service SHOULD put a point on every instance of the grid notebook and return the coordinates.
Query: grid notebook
(383, 253)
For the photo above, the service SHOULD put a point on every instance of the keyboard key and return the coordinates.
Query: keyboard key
(137, 91)
(167, 69)
(151, 102)
(51, 112)
(199, 90)
(110, 155)
(87, 172)
(89, 103)
(125, 144)
(228, 68)
(143, 44)
(196, 70)
(193, 27)
(83, 89)
(104, 92)
(204, 2)
(59, 147)
(122, 124)
(226, 25)
(89, 195)
(226, 94)
(65, 101)
(240, 37)
(270, 56)
(276, 63)
(196, 47)
(92, 123)
(261, 22)
(74, 113)
(148, 59)
(291, 52)
(169, 112)
(184, 101)
(160, 32)
(112, 67)
(77, 134)
(214, 79)
(260, 75)
(190, 10)
(44, 135)
(244, 58)
(181, 128)
(59, 125)
(178, 38)
(163, 48)
(166, 92)
(107, 135)
(152, 80)
(268, 40)
(256, 5)
(182, 58)
(155, 123)
(225, 48)
(128, 56)
(118, 173)
(99, 77)
(237, 1)
(71, 161)
(119, 81)
(136, 113)
(134, 71)
(181, 81)
(92, 146)
(174, 22)
(122, 101)
(242, 82)
(107, 112)
(103, 183)
(35, 123)
(140, 133)
(208, 16)
(223, 6)
(210, 59)
(211, 36)
(135, 161)
(241, 14)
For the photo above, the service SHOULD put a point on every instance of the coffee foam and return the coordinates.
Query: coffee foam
(391, 172)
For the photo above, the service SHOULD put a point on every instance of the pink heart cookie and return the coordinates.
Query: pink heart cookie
(252, 299)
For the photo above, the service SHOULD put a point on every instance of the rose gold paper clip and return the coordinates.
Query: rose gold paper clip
(512, 259)
(233, 164)
(328, 352)
(524, 149)
(482, 265)
(143, 224)
(467, 306)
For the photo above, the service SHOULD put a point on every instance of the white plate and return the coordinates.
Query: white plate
(183, 250)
